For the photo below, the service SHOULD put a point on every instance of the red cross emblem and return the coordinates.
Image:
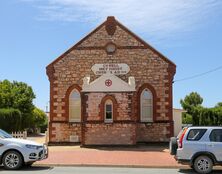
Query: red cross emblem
(108, 82)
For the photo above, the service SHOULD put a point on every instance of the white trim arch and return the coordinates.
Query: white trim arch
(146, 106)
(108, 111)
(75, 106)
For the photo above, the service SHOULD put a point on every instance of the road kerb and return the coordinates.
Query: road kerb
(117, 166)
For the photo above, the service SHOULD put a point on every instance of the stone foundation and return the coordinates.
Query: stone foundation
(153, 132)
(109, 134)
(61, 132)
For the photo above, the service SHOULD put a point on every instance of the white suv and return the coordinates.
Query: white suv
(17, 152)
(199, 147)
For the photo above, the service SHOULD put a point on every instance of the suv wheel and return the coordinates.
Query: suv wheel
(203, 164)
(12, 160)
(173, 145)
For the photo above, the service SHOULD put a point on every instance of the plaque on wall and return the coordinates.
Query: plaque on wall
(112, 68)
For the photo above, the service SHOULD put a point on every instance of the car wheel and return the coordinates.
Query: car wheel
(173, 145)
(12, 160)
(203, 164)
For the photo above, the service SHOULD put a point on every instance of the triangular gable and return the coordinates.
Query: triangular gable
(108, 83)
(112, 20)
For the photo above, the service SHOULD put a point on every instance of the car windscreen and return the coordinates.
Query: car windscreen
(4, 134)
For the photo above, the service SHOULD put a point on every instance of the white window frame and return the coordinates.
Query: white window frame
(149, 118)
(108, 102)
(70, 117)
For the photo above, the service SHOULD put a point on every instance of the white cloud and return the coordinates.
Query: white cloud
(159, 19)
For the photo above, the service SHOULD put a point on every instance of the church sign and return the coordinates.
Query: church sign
(113, 68)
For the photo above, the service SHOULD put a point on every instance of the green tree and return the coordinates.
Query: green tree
(39, 118)
(219, 105)
(186, 118)
(218, 112)
(200, 115)
(192, 104)
(192, 100)
(17, 95)
(10, 119)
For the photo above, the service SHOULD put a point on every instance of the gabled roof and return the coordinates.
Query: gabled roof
(108, 83)
(112, 20)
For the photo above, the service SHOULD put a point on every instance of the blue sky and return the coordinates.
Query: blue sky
(35, 32)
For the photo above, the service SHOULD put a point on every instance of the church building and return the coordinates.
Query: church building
(111, 88)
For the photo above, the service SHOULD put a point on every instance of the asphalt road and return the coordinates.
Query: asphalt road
(97, 170)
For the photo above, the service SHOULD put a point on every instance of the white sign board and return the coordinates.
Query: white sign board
(112, 68)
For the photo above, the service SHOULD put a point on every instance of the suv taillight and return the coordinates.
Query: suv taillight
(180, 145)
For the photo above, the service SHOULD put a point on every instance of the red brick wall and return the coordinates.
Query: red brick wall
(146, 64)
(155, 132)
(108, 133)
(105, 134)
(61, 132)
(94, 108)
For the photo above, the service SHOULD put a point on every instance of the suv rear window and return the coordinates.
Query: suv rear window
(195, 134)
(216, 135)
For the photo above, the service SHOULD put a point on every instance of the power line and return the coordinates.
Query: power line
(198, 75)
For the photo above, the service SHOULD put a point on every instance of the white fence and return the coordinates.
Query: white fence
(19, 134)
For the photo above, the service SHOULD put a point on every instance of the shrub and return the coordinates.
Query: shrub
(10, 119)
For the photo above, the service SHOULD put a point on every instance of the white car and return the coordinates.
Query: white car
(14, 153)
(200, 147)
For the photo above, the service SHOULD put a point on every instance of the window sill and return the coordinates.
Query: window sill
(108, 121)
(146, 122)
(74, 121)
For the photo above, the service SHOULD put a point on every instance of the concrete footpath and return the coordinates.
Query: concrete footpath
(140, 156)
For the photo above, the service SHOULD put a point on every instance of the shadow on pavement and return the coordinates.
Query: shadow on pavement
(143, 147)
(190, 171)
(32, 168)
(36, 135)
(36, 168)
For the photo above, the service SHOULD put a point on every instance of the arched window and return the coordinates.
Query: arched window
(146, 106)
(108, 111)
(75, 106)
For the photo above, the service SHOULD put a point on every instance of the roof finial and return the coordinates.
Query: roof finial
(111, 25)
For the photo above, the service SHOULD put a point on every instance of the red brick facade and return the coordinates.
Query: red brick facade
(150, 69)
